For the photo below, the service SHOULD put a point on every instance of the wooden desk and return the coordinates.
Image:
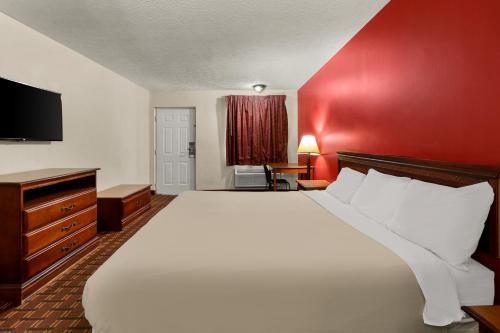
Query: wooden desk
(487, 316)
(297, 168)
(308, 185)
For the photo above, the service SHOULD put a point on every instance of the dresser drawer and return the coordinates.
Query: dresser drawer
(136, 202)
(35, 217)
(41, 260)
(40, 238)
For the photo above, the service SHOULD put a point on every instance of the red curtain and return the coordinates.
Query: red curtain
(257, 130)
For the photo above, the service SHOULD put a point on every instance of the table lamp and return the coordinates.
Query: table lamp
(308, 146)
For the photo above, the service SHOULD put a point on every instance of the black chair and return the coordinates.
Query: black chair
(279, 182)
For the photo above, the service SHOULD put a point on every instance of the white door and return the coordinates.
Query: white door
(175, 150)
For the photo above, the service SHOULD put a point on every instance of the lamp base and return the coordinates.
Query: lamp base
(309, 166)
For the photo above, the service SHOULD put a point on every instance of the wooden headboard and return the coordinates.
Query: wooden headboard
(444, 173)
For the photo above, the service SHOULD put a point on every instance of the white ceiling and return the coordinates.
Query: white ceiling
(201, 44)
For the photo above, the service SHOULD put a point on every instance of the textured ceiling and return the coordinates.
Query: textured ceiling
(201, 44)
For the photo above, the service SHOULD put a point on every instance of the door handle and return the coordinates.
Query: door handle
(192, 149)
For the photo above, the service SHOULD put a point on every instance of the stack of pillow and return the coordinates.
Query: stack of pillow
(445, 220)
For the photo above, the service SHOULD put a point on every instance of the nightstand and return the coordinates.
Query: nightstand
(488, 317)
(308, 185)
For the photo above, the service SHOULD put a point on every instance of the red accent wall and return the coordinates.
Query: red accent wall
(421, 79)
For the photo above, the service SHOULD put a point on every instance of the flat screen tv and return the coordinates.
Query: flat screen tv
(29, 113)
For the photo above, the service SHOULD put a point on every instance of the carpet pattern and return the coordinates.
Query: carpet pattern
(57, 307)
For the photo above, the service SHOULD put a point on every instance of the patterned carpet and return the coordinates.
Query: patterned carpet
(57, 306)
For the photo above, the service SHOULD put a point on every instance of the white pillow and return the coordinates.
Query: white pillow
(445, 220)
(379, 195)
(347, 183)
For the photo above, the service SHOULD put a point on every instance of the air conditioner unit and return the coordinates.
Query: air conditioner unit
(249, 176)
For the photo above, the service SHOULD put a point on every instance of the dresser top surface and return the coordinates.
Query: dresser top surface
(122, 191)
(40, 175)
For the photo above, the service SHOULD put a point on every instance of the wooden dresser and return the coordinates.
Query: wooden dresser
(120, 204)
(47, 221)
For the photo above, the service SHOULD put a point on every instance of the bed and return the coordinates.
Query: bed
(289, 262)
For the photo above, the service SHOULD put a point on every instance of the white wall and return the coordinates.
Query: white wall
(211, 169)
(106, 122)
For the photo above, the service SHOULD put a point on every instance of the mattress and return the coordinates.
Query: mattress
(257, 262)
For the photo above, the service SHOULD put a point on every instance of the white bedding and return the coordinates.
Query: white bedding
(475, 286)
(445, 288)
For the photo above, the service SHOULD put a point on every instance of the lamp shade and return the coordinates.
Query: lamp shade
(308, 145)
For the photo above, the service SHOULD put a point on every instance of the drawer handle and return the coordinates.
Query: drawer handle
(68, 209)
(68, 227)
(69, 247)
(138, 202)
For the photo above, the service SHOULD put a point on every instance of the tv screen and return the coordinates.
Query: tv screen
(28, 113)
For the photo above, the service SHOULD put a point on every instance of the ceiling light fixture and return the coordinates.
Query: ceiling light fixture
(259, 87)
